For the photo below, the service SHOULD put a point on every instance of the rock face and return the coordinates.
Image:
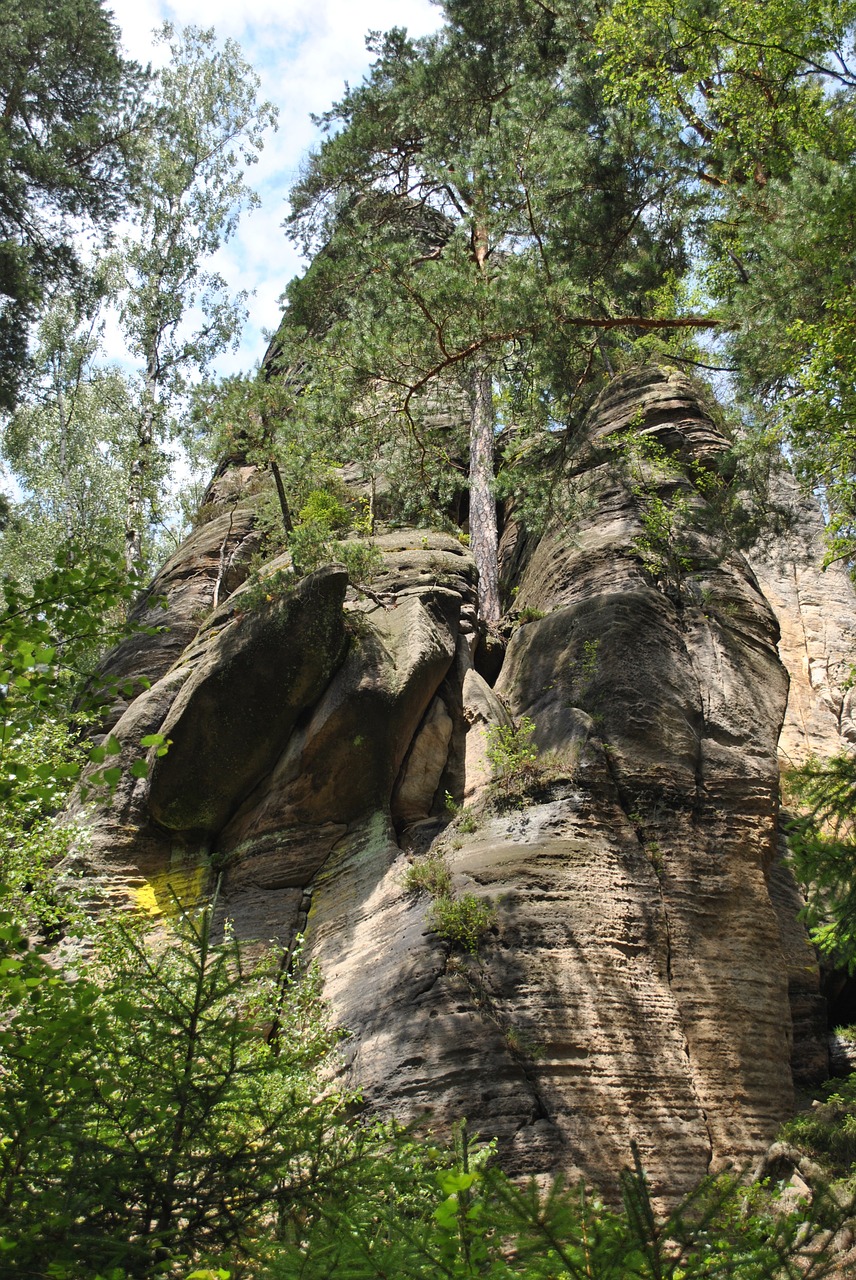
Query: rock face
(633, 979)
(815, 606)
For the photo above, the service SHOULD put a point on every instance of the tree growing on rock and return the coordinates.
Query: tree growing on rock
(486, 217)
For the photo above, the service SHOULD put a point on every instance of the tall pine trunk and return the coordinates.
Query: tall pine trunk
(484, 542)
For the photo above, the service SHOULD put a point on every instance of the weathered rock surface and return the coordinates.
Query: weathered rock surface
(202, 573)
(686, 704)
(810, 1059)
(815, 607)
(635, 983)
(253, 674)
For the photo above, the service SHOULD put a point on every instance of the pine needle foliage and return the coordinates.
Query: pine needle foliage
(822, 842)
(157, 1105)
(427, 1214)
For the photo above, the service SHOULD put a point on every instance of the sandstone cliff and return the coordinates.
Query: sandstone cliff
(638, 976)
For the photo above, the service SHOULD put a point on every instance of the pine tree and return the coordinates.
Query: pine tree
(479, 210)
(69, 107)
(756, 104)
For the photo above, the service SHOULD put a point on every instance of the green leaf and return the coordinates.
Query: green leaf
(446, 1213)
(452, 1181)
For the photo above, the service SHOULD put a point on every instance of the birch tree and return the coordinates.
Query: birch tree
(176, 312)
(69, 445)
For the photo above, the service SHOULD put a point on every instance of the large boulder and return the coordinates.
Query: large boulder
(254, 673)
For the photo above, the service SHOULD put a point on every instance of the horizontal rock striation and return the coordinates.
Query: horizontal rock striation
(632, 980)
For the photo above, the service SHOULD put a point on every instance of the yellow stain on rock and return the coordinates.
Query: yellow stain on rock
(170, 892)
(146, 900)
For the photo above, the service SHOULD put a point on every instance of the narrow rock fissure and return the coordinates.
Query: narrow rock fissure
(221, 568)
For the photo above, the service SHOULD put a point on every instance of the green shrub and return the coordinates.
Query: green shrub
(822, 844)
(415, 1213)
(362, 560)
(324, 509)
(828, 1130)
(513, 757)
(310, 547)
(463, 921)
(157, 1105)
(429, 875)
(265, 588)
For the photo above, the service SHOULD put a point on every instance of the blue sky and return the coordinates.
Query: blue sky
(304, 51)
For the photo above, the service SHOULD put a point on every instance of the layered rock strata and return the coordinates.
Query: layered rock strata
(633, 985)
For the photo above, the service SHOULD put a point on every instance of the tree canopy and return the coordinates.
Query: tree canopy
(757, 104)
(485, 217)
(68, 106)
(91, 443)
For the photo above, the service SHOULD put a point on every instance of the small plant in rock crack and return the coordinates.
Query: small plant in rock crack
(514, 758)
(511, 750)
(429, 875)
(655, 854)
(465, 920)
(529, 614)
(520, 1044)
(589, 658)
(466, 822)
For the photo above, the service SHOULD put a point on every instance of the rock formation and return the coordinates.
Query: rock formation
(634, 983)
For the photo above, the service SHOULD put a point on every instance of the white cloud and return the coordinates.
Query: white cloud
(304, 51)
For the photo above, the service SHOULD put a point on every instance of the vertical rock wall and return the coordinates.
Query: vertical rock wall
(635, 982)
(816, 608)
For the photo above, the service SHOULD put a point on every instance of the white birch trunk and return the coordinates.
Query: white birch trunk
(135, 511)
